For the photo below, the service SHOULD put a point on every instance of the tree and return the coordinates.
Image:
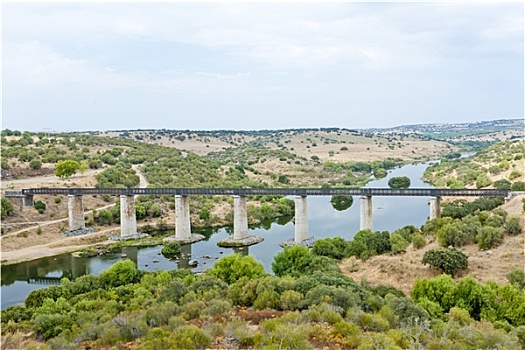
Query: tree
(35, 164)
(448, 260)
(6, 207)
(489, 237)
(66, 168)
(292, 260)
(399, 182)
(513, 226)
(84, 166)
(233, 267)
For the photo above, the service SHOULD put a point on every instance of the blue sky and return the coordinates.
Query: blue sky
(206, 66)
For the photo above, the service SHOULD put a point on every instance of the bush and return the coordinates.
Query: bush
(291, 261)
(6, 207)
(399, 244)
(40, 206)
(120, 273)
(35, 164)
(489, 237)
(514, 174)
(448, 260)
(518, 186)
(503, 184)
(513, 226)
(517, 277)
(418, 241)
(330, 247)
(233, 267)
(171, 248)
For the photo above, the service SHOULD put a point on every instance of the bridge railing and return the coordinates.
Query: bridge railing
(421, 192)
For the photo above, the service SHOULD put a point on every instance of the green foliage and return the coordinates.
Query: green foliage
(119, 176)
(35, 163)
(517, 277)
(513, 226)
(418, 241)
(341, 203)
(448, 260)
(518, 186)
(514, 174)
(119, 274)
(489, 237)
(461, 208)
(483, 181)
(40, 206)
(291, 261)
(398, 243)
(6, 207)
(399, 182)
(454, 234)
(502, 184)
(171, 248)
(233, 267)
(66, 168)
(330, 247)
(283, 179)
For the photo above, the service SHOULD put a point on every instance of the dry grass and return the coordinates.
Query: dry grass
(401, 271)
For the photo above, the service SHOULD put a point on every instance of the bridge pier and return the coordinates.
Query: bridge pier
(240, 226)
(182, 218)
(183, 222)
(128, 217)
(301, 218)
(435, 207)
(75, 213)
(365, 219)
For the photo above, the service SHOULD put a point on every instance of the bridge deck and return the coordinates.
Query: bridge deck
(421, 192)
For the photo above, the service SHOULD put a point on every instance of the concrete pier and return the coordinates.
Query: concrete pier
(301, 218)
(435, 207)
(183, 222)
(128, 217)
(240, 218)
(182, 218)
(75, 210)
(365, 218)
(240, 226)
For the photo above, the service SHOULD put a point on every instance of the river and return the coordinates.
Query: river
(390, 213)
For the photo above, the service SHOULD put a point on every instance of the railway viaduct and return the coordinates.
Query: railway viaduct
(128, 222)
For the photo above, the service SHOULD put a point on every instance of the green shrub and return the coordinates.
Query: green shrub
(399, 244)
(489, 237)
(418, 241)
(233, 267)
(6, 207)
(514, 174)
(171, 248)
(448, 260)
(513, 226)
(119, 274)
(40, 206)
(518, 186)
(502, 184)
(517, 277)
(291, 300)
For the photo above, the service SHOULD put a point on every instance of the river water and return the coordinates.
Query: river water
(390, 213)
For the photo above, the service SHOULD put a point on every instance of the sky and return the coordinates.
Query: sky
(253, 66)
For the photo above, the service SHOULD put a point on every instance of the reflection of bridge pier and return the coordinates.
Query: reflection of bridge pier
(132, 253)
(185, 256)
(244, 251)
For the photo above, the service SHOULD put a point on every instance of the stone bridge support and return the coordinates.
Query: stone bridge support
(240, 226)
(128, 218)
(240, 218)
(182, 218)
(301, 218)
(366, 216)
(75, 213)
(435, 207)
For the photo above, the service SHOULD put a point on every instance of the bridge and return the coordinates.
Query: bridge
(128, 222)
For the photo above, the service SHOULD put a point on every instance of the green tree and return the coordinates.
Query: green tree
(66, 168)
(513, 226)
(489, 237)
(399, 244)
(120, 273)
(171, 248)
(448, 260)
(233, 267)
(6, 207)
(35, 163)
(291, 261)
(84, 166)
